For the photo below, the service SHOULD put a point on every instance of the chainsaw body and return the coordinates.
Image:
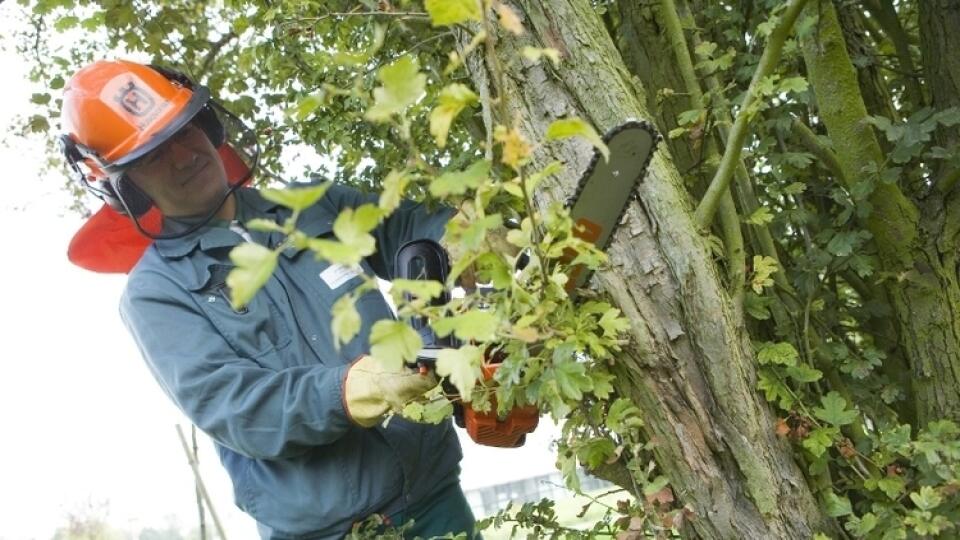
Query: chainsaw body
(427, 260)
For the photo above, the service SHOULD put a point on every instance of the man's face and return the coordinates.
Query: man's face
(184, 177)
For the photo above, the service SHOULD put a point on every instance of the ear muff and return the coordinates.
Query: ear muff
(130, 197)
(118, 193)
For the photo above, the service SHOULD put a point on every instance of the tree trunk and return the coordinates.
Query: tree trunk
(689, 365)
(939, 20)
(923, 284)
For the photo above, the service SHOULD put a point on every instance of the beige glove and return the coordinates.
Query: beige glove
(370, 390)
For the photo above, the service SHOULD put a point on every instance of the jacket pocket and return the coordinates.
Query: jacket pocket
(254, 330)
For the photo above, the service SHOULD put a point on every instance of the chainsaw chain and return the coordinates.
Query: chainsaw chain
(630, 124)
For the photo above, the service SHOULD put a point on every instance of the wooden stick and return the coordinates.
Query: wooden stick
(191, 458)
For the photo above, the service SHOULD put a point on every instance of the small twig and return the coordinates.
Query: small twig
(192, 460)
(215, 49)
(200, 510)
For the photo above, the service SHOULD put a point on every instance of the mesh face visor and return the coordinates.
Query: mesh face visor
(238, 149)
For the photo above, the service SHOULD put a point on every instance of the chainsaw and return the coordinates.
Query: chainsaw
(597, 207)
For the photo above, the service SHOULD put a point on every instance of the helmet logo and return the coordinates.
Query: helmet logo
(134, 100)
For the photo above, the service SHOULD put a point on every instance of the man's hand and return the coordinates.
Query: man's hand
(370, 390)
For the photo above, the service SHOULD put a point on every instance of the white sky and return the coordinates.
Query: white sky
(82, 418)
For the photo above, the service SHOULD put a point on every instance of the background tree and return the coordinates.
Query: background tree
(794, 241)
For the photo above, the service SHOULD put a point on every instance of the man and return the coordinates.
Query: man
(296, 421)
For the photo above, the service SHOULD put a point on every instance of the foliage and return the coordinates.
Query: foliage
(380, 90)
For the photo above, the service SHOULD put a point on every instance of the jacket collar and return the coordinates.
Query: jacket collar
(314, 221)
(215, 234)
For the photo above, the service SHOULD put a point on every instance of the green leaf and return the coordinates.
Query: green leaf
(391, 190)
(436, 410)
(781, 353)
(795, 188)
(892, 486)
(757, 306)
(345, 320)
(804, 374)
(860, 527)
(897, 439)
(845, 243)
(473, 236)
(354, 224)
(774, 389)
(705, 49)
(601, 383)
(761, 216)
(948, 117)
(820, 439)
(927, 499)
(763, 268)
(450, 12)
(421, 288)
(462, 367)
(453, 99)
(577, 127)
(595, 452)
(306, 106)
(550, 169)
(691, 117)
(571, 379)
(472, 325)
(458, 182)
(612, 323)
(834, 410)
(402, 85)
(622, 416)
(794, 84)
(296, 198)
(837, 506)
(254, 265)
(341, 253)
(262, 224)
(393, 343)
(567, 463)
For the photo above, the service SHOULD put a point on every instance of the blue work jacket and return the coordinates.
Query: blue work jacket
(265, 382)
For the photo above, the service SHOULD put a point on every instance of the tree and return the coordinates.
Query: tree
(794, 242)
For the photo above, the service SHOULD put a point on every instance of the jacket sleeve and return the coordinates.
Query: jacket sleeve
(411, 221)
(259, 412)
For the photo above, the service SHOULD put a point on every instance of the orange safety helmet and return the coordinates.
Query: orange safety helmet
(116, 112)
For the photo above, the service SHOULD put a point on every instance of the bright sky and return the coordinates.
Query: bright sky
(84, 422)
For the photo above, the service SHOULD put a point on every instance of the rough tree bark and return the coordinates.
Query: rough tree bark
(939, 21)
(689, 365)
(923, 286)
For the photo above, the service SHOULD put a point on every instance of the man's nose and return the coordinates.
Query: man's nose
(182, 156)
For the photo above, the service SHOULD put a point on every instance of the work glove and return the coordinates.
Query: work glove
(370, 390)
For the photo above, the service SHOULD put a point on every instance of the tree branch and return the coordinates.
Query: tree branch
(809, 141)
(729, 218)
(215, 49)
(731, 156)
(886, 14)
